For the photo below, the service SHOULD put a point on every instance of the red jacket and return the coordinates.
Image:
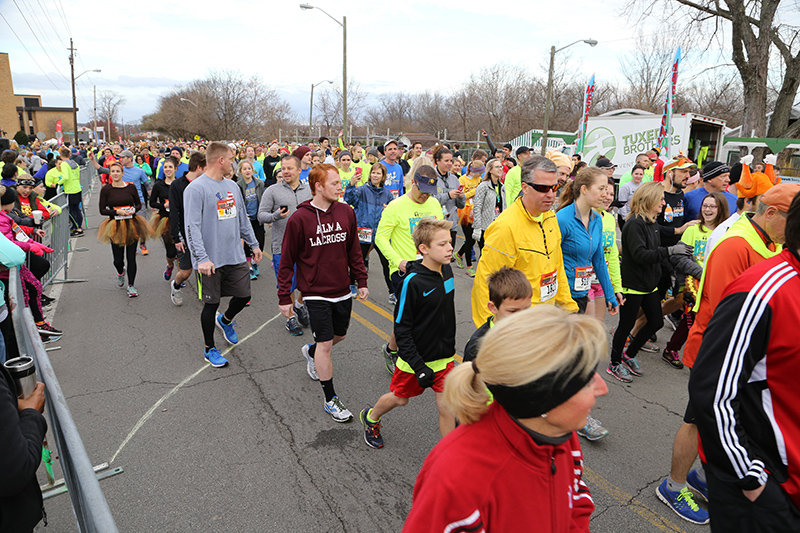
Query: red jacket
(324, 246)
(491, 476)
(743, 386)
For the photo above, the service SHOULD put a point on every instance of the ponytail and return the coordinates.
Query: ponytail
(586, 176)
(465, 394)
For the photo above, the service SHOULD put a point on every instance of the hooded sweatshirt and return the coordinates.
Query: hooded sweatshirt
(70, 178)
(324, 246)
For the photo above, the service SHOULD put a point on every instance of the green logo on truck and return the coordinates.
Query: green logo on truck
(600, 142)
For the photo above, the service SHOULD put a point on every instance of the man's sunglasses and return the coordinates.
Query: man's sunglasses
(538, 187)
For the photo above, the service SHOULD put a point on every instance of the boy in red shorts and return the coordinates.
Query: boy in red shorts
(425, 328)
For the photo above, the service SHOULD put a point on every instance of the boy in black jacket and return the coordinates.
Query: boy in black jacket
(425, 328)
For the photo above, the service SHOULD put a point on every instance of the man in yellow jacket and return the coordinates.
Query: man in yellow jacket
(526, 236)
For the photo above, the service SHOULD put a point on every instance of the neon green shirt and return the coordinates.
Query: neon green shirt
(513, 184)
(697, 237)
(395, 232)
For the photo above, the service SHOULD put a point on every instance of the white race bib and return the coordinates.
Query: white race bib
(548, 286)
(365, 235)
(583, 278)
(226, 208)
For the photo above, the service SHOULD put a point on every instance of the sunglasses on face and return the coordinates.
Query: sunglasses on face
(538, 187)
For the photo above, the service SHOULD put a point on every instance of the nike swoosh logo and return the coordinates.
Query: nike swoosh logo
(427, 293)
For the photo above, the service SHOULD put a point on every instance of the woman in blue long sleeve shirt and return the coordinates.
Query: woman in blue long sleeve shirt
(582, 237)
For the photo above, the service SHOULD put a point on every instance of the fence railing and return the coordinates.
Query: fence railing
(89, 505)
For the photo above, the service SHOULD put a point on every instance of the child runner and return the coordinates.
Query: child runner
(425, 329)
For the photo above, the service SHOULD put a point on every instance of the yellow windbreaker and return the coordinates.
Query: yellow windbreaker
(516, 240)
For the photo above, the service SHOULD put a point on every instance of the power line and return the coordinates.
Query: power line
(30, 54)
(64, 17)
(40, 26)
(38, 41)
(47, 16)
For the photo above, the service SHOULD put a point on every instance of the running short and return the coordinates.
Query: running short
(688, 415)
(329, 319)
(185, 259)
(595, 291)
(404, 384)
(228, 280)
(276, 263)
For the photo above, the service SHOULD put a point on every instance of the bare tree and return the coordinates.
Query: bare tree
(109, 104)
(647, 70)
(329, 105)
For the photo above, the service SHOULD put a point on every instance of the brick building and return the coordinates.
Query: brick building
(25, 111)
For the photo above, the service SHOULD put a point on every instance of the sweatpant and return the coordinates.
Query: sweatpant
(123, 253)
(681, 332)
(651, 306)
(75, 214)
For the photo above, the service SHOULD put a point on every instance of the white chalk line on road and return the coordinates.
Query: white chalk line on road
(177, 387)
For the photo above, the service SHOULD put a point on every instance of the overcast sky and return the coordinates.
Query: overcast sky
(147, 47)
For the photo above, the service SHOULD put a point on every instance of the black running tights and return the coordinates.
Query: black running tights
(209, 315)
(123, 254)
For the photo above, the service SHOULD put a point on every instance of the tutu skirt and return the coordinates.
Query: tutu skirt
(160, 227)
(123, 232)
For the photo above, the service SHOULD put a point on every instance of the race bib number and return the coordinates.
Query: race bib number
(583, 278)
(128, 213)
(226, 208)
(19, 234)
(548, 286)
(365, 235)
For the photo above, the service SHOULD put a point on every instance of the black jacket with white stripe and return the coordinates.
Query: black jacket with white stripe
(744, 385)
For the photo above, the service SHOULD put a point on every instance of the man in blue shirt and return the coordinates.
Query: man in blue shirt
(394, 172)
(133, 174)
(716, 178)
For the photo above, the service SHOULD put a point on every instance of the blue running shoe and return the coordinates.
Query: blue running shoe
(256, 270)
(215, 359)
(682, 503)
(227, 330)
(697, 485)
(353, 291)
(372, 430)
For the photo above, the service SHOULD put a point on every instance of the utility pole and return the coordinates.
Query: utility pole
(74, 103)
(95, 115)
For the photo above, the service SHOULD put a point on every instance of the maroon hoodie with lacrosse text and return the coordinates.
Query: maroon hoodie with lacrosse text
(324, 246)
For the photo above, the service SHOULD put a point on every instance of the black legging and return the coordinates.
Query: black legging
(469, 242)
(651, 306)
(75, 213)
(39, 266)
(121, 253)
(258, 229)
(365, 248)
(209, 315)
(169, 245)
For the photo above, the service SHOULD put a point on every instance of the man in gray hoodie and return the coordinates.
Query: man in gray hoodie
(277, 203)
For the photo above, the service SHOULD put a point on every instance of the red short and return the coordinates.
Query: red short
(404, 384)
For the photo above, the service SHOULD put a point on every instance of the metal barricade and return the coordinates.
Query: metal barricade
(92, 513)
(59, 240)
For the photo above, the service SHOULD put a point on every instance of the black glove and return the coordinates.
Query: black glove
(680, 249)
(425, 377)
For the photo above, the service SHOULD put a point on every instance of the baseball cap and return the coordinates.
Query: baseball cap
(390, 141)
(126, 153)
(523, 150)
(605, 162)
(508, 145)
(780, 196)
(680, 163)
(425, 184)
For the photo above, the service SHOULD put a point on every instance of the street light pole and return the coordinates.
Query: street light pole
(553, 52)
(311, 106)
(343, 24)
(74, 101)
(187, 100)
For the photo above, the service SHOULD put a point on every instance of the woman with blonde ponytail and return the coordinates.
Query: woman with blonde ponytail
(542, 393)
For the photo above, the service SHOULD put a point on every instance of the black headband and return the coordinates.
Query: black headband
(538, 397)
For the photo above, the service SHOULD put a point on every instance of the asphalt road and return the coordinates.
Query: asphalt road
(249, 447)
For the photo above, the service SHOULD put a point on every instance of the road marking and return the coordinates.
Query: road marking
(177, 387)
(589, 475)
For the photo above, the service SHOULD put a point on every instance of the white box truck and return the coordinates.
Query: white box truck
(622, 134)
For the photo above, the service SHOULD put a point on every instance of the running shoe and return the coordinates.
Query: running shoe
(293, 327)
(460, 260)
(673, 358)
(392, 299)
(253, 274)
(132, 292)
(389, 357)
(168, 273)
(144, 249)
(256, 270)
(682, 503)
(338, 412)
(592, 430)
(672, 322)
(227, 330)
(46, 300)
(620, 372)
(650, 346)
(372, 430)
(121, 279)
(77, 233)
(302, 315)
(47, 339)
(311, 366)
(696, 484)
(471, 271)
(633, 365)
(215, 358)
(45, 328)
(353, 291)
(175, 295)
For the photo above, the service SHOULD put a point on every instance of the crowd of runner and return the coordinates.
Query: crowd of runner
(553, 245)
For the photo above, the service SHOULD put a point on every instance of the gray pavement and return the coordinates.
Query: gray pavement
(249, 448)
